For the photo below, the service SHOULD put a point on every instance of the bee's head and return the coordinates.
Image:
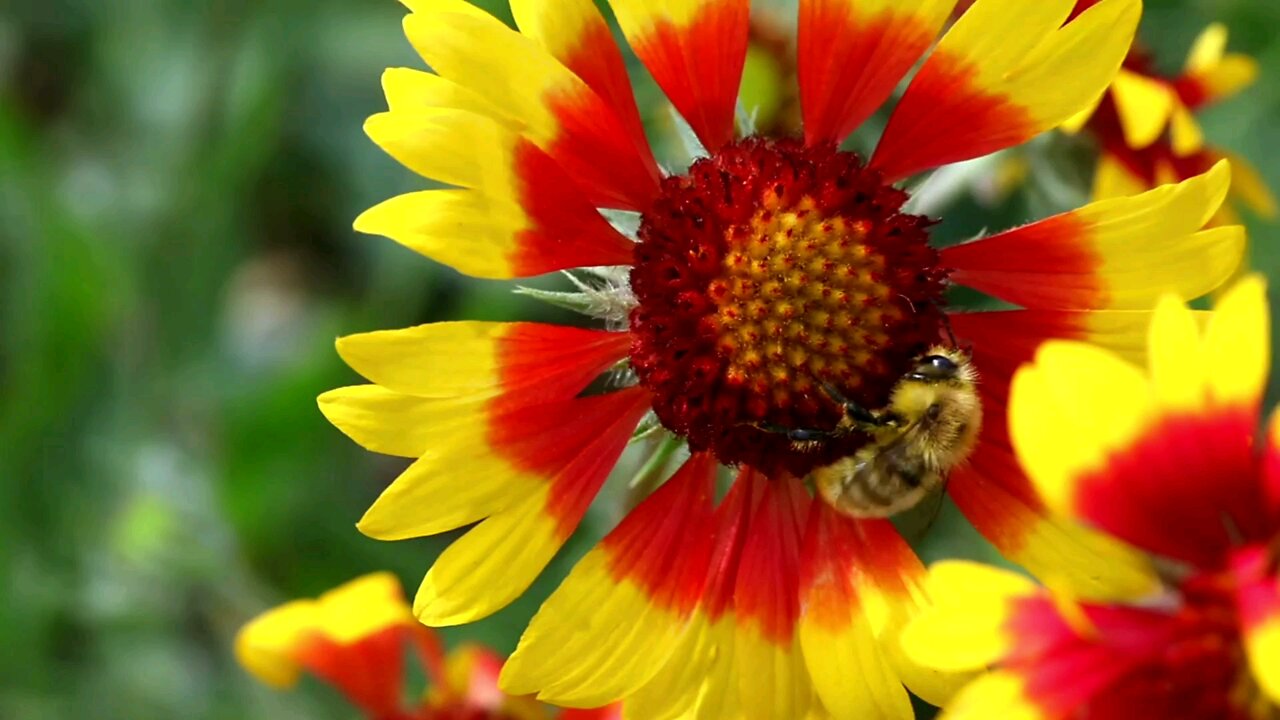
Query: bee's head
(940, 365)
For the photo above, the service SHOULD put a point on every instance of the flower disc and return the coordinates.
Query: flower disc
(764, 271)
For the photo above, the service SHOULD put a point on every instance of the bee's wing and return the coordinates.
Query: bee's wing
(906, 454)
(915, 523)
(903, 452)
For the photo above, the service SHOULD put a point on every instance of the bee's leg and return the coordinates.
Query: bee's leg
(951, 336)
(855, 412)
(799, 435)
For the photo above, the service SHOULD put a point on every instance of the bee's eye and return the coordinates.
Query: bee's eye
(933, 368)
(940, 364)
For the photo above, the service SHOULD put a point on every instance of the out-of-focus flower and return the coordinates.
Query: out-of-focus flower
(1167, 461)
(1147, 132)
(1146, 128)
(768, 267)
(355, 637)
(769, 76)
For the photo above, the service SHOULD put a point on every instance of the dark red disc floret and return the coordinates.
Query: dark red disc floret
(765, 269)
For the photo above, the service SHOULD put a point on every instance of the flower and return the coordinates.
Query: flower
(354, 637)
(1147, 132)
(1146, 129)
(769, 265)
(1165, 460)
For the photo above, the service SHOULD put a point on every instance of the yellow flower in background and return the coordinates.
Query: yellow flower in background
(1168, 461)
(1148, 134)
(1147, 131)
(356, 638)
(728, 292)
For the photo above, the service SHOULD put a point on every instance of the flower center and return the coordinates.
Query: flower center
(1200, 669)
(765, 271)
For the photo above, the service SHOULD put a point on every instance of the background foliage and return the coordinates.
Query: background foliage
(177, 183)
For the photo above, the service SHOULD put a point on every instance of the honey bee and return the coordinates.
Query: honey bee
(929, 427)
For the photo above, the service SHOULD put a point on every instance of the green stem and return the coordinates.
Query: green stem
(653, 472)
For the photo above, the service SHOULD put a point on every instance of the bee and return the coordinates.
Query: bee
(929, 427)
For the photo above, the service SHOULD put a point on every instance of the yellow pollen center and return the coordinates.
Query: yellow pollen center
(801, 298)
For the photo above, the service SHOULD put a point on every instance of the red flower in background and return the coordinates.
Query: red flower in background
(1147, 131)
(1169, 461)
(355, 638)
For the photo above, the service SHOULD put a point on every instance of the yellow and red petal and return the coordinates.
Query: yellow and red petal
(353, 637)
(1124, 661)
(1006, 71)
(675, 689)
(497, 560)
(1185, 135)
(891, 583)
(575, 33)
(1258, 600)
(860, 586)
(561, 114)
(391, 423)
(487, 392)
(992, 490)
(695, 50)
(623, 610)
(1271, 467)
(733, 517)
(700, 679)
(518, 213)
(1167, 465)
(1111, 396)
(455, 146)
(471, 677)
(882, 38)
(1249, 187)
(610, 712)
(1057, 658)
(265, 646)
(431, 496)
(1115, 178)
(415, 91)
(967, 626)
(1211, 74)
(369, 671)
(720, 694)
(984, 616)
(993, 494)
(1144, 105)
(491, 565)
(772, 677)
(469, 688)
(531, 361)
(1238, 337)
(850, 672)
(1004, 339)
(1001, 694)
(508, 454)
(1113, 254)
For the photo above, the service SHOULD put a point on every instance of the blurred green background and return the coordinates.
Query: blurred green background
(177, 184)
